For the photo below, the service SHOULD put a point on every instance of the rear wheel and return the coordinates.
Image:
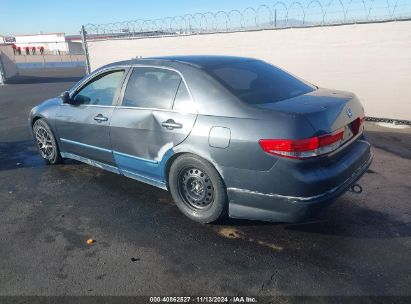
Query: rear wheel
(197, 189)
(46, 143)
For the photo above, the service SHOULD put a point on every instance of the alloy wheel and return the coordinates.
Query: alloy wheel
(45, 143)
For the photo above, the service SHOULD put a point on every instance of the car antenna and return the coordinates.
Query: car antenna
(137, 57)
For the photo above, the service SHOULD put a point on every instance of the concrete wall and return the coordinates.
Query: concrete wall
(48, 61)
(8, 67)
(372, 60)
(75, 47)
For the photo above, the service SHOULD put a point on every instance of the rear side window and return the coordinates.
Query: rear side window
(151, 88)
(257, 82)
(183, 102)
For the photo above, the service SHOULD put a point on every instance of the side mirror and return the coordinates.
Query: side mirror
(65, 97)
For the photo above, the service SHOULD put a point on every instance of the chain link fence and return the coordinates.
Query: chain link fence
(281, 14)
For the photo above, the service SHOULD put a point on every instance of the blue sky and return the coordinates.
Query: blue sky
(31, 17)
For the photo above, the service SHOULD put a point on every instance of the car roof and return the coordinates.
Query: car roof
(198, 61)
(204, 61)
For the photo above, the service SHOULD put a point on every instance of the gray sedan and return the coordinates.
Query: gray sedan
(225, 135)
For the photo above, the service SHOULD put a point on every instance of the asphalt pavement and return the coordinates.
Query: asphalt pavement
(359, 246)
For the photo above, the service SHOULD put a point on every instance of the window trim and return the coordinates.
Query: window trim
(120, 100)
(99, 76)
(175, 95)
(75, 90)
(90, 77)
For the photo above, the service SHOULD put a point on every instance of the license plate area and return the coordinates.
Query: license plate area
(348, 134)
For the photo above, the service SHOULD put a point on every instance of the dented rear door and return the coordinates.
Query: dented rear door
(156, 114)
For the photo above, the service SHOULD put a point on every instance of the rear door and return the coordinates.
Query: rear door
(83, 126)
(155, 114)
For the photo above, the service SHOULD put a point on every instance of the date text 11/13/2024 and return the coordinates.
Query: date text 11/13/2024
(203, 299)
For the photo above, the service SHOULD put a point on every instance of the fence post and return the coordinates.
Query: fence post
(85, 49)
(2, 72)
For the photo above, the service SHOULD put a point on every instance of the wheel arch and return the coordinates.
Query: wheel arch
(32, 121)
(57, 155)
(167, 167)
(35, 118)
(175, 156)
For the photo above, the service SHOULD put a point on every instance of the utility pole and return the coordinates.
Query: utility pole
(85, 49)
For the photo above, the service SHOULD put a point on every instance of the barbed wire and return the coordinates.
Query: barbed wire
(281, 14)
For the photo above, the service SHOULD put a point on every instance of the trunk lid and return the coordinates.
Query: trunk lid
(326, 110)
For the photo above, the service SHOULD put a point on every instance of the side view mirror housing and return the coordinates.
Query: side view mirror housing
(66, 97)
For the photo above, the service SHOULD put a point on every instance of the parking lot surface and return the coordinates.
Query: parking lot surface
(360, 245)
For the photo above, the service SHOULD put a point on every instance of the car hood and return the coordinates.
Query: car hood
(51, 102)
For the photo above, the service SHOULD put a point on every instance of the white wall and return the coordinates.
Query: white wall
(50, 42)
(57, 37)
(372, 60)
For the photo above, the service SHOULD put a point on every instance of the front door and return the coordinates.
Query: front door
(83, 125)
(155, 115)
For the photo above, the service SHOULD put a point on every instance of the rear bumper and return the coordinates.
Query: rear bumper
(256, 205)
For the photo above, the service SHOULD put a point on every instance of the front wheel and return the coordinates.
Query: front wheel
(46, 143)
(197, 189)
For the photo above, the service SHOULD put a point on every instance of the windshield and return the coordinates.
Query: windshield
(257, 82)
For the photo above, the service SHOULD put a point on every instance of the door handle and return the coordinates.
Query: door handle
(170, 124)
(100, 118)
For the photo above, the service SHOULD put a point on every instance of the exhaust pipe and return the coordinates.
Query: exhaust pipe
(356, 188)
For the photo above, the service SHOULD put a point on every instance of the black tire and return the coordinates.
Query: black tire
(46, 143)
(197, 189)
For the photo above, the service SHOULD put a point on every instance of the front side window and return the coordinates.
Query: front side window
(151, 88)
(101, 90)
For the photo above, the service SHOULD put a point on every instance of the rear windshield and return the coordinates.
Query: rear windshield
(257, 82)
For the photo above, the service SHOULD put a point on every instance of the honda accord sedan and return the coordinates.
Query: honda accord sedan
(225, 135)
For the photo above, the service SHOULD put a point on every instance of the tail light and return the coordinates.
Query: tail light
(303, 148)
(357, 125)
(311, 147)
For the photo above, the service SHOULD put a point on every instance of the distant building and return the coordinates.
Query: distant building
(7, 39)
(53, 43)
